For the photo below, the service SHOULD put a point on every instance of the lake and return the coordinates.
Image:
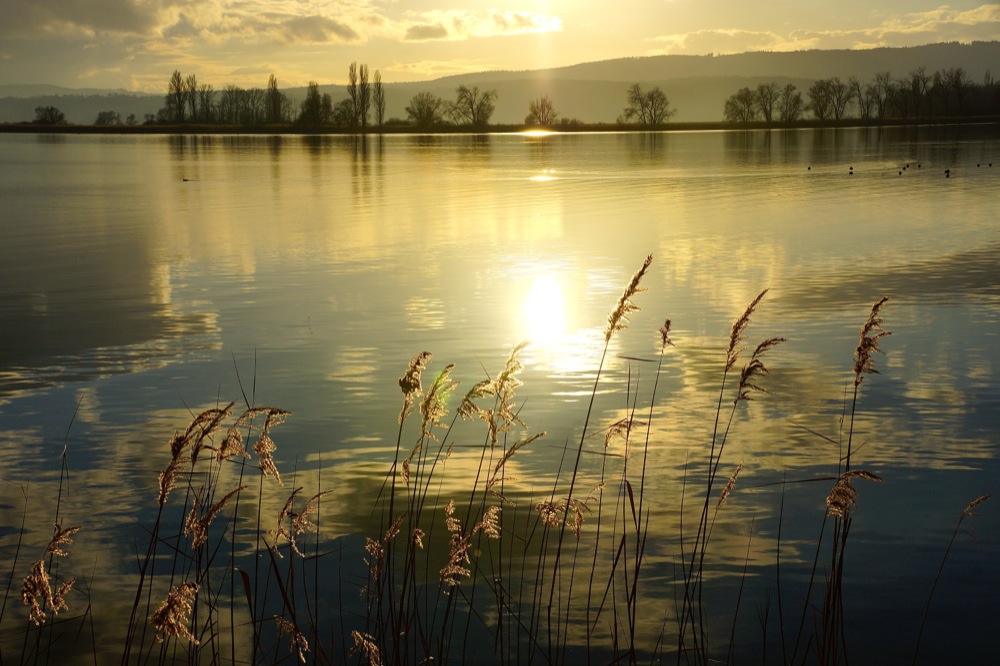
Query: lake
(144, 279)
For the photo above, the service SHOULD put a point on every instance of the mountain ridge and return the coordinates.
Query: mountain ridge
(697, 85)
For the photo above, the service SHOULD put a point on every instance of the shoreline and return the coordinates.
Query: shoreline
(289, 129)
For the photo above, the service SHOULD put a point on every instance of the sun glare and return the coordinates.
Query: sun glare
(545, 310)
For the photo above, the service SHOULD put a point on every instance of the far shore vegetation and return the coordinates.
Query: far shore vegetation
(190, 106)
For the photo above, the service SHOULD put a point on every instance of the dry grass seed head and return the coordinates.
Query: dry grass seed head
(621, 429)
(969, 510)
(871, 334)
(844, 496)
(37, 594)
(409, 383)
(203, 426)
(754, 370)
(171, 618)
(618, 319)
(739, 328)
(730, 486)
(61, 537)
(297, 644)
(434, 406)
(364, 644)
(298, 521)
(665, 335)
(196, 525)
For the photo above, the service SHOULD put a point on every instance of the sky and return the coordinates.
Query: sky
(137, 44)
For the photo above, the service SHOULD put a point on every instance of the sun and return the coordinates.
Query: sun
(545, 310)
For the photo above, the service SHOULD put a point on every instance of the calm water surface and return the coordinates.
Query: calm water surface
(146, 278)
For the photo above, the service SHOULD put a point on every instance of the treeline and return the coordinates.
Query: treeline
(189, 102)
(946, 93)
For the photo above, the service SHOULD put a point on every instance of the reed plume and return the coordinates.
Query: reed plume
(365, 645)
(754, 370)
(170, 619)
(871, 333)
(298, 521)
(297, 644)
(265, 447)
(729, 487)
(844, 496)
(618, 319)
(36, 590)
(736, 334)
(196, 526)
(409, 383)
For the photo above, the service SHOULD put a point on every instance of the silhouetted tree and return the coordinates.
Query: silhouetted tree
(343, 114)
(49, 115)
(919, 84)
(206, 103)
(175, 98)
(790, 104)
(275, 101)
(881, 87)
(352, 93)
(741, 107)
(863, 97)
(766, 99)
(646, 108)
(131, 120)
(472, 107)
(364, 96)
(316, 109)
(425, 110)
(378, 99)
(819, 100)
(191, 96)
(541, 112)
(108, 118)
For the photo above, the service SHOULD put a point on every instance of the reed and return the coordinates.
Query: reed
(475, 564)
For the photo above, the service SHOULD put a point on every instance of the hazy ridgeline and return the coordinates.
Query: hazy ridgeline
(932, 81)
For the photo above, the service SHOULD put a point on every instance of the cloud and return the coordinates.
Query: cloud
(936, 25)
(317, 29)
(465, 24)
(419, 32)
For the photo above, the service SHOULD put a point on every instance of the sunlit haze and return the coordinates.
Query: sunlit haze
(136, 44)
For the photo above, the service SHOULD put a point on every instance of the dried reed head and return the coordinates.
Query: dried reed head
(61, 537)
(203, 426)
(409, 383)
(36, 589)
(503, 415)
(170, 619)
(364, 644)
(434, 406)
(844, 496)
(618, 319)
(754, 370)
(298, 522)
(196, 525)
(38, 595)
(871, 333)
(264, 447)
(297, 644)
(621, 429)
(665, 335)
(739, 328)
(458, 552)
(730, 486)
(969, 510)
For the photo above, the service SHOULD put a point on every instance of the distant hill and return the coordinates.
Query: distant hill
(697, 86)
